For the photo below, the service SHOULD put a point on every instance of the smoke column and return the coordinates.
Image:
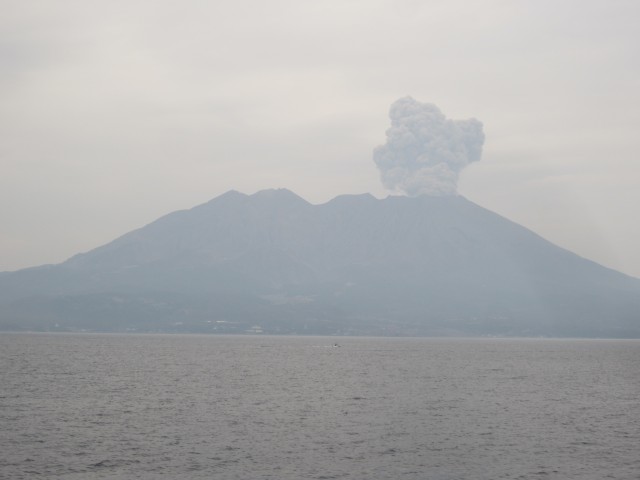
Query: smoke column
(425, 152)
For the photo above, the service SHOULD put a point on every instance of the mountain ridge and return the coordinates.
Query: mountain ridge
(353, 265)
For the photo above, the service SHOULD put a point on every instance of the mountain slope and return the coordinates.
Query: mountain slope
(425, 265)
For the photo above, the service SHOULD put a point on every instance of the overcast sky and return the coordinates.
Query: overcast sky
(113, 113)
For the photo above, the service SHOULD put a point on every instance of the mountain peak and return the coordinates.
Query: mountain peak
(232, 194)
(277, 193)
(365, 197)
(273, 192)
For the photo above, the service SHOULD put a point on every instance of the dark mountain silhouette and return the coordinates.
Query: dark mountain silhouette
(355, 265)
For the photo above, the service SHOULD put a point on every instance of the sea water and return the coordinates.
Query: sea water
(84, 406)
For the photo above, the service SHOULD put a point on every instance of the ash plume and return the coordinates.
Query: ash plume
(425, 152)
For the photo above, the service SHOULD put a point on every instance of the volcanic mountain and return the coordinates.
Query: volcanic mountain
(272, 262)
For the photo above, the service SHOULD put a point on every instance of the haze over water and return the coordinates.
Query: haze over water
(244, 407)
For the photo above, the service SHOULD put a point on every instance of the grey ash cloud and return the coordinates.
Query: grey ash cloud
(425, 152)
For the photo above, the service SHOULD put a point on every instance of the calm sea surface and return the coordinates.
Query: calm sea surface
(248, 407)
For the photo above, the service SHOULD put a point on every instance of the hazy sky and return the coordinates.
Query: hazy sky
(113, 113)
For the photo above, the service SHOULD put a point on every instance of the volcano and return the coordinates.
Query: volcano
(272, 262)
